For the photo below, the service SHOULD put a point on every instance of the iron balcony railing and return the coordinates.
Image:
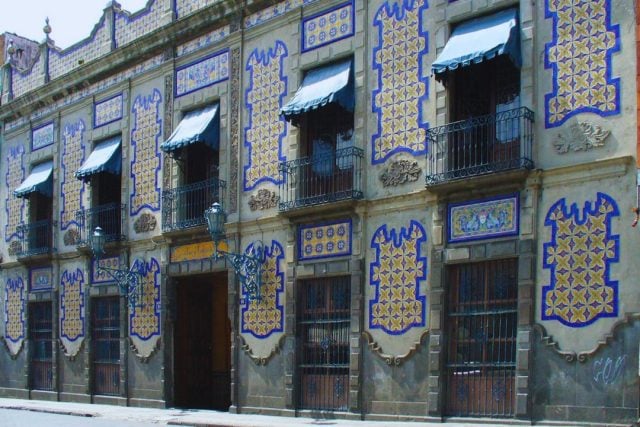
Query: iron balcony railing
(36, 238)
(183, 207)
(325, 178)
(109, 217)
(480, 145)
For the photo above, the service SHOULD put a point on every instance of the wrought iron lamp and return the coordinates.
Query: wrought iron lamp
(248, 268)
(129, 281)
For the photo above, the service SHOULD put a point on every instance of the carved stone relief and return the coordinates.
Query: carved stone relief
(264, 199)
(71, 237)
(581, 136)
(399, 172)
(144, 223)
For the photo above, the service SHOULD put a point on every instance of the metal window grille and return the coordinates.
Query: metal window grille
(41, 335)
(481, 330)
(323, 343)
(106, 345)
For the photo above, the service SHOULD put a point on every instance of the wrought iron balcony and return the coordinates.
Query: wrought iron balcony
(480, 145)
(317, 180)
(109, 217)
(36, 238)
(183, 207)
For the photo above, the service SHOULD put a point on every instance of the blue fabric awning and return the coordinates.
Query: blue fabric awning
(40, 180)
(480, 39)
(105, 157)
(321, 86)
(201, 125)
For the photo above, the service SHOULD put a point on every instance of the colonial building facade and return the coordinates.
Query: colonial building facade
(440, 195)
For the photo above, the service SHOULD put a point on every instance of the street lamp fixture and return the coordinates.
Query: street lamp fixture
(248, 268)
(129, 281)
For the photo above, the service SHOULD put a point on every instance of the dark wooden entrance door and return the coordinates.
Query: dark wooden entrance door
(202, 343)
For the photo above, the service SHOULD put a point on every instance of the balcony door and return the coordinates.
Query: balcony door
(481, 94)
(106, 211)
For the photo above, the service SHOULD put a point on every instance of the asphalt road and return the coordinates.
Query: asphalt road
(18, 418)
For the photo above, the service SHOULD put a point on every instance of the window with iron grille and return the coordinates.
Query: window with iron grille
(41, 335)
(482, 321)
(323, 343)
(105, 343)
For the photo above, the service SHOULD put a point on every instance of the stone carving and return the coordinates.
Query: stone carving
(264, 199)
(235, 129)
(71, 237)
(14, 248)
(582, 136)
(260, 361)
(399, 172)
(144, 223)
(390, 359)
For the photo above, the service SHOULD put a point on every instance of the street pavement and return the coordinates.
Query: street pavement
(127, 416)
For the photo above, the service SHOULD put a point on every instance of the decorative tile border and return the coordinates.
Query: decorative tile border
(144, 319)
(41, 279)
(14, 206)
(99, 278)
(325, 240)
(72, 311)
(328, 26)
(203, 41)
(274, 11)
(108, 111)
(71, 188)
(483, 218)
(14, 319)
(202, 73)
(42, 136)
(187, 7)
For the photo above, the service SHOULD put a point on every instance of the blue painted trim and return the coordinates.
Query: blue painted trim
(399, 13)
(267, 253)
(144, 268)
(264, 57)
(196, 62)
(397, 241)
(33, 271)
(301, 229)
(574, 212)
(72, 128)
(554, 67)
(95, 106)
(145, 101)
(14, 152)
(325, 12)
(44, 125)
(14, 285)
(516, 218)
(71, 278)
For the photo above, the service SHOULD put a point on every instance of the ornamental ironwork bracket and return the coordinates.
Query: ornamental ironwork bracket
(248, 268)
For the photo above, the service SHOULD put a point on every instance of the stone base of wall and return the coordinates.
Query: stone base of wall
(262, 411)
(110, 400)
(75, 397)
(148, 403)
(611, 416)
(17, 393)
(400, 411)
(51, 396)
(329, 415)
(395, 418)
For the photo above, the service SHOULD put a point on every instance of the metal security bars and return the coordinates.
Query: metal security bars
(41, 336)
(36, 238)
(481, 330)
(323, 343)
(109, 217)
(325, 178)
(480, 145)
(183, 207)
(105, 343)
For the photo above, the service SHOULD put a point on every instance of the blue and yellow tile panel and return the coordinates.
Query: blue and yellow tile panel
(325, 240)
(71, 188)
(100, 277)
(263, 317)
(144, 319)
(14, 304)
(72, 305)
(42, 136)
(579, 257)
(266, 129)
(580, 56)
(328, 26)
(14, 206)
(205, 72)
(402, 85)
(483, 219)
(41, 279)
(399, 275)
(108, 111)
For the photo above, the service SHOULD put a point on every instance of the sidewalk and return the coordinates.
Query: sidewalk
(202, 418)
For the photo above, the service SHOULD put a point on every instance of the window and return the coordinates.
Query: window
(323, 339)
(105, 343)
(482, 320)
(41, 336)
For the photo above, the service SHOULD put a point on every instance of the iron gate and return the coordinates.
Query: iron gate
(481, 327)
(106, 345)
(323, 340)
(41, 334)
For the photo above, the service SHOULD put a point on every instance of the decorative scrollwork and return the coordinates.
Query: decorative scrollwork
(399, 172)
(582, 136)
(145, 222)
(264, 199)
(391, 359)
(260, 361)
